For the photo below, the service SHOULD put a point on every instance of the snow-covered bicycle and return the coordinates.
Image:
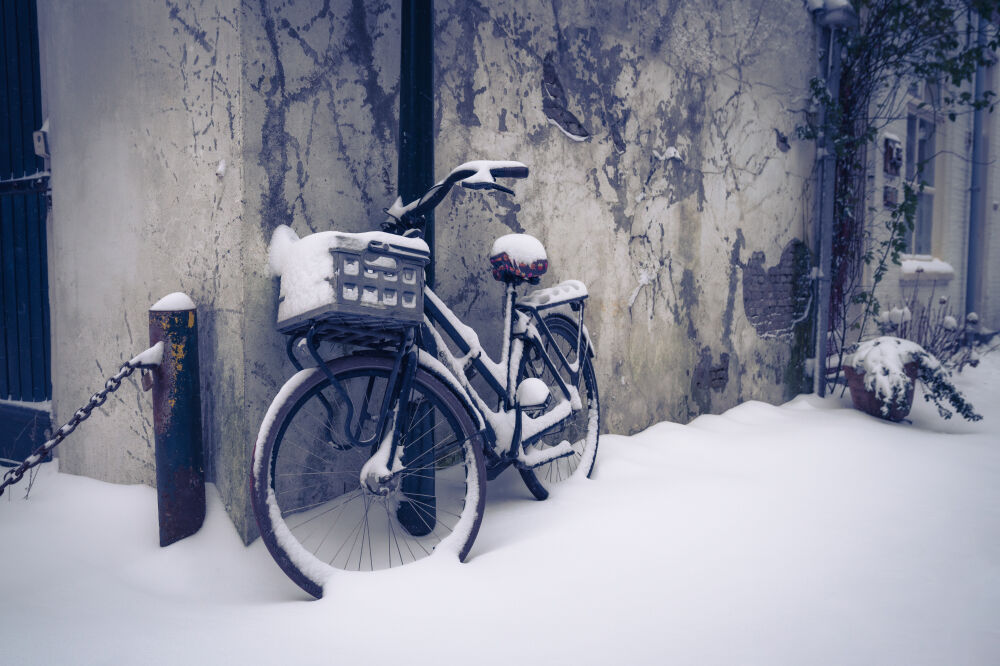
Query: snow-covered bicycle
(377, 458)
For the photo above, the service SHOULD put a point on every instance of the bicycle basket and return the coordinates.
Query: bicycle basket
(368, 280)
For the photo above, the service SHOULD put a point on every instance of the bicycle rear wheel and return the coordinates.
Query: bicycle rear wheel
(314, 513)
(582, 428)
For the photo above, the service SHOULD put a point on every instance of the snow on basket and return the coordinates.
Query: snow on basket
(373, 278)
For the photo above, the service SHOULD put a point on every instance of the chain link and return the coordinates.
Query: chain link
(79, 416)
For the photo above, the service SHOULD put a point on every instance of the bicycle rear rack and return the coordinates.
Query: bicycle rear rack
(363, 336)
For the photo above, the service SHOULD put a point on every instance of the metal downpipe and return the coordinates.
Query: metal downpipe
(976, 239)
(827, 178)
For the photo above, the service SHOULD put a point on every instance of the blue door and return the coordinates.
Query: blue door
(25, 373)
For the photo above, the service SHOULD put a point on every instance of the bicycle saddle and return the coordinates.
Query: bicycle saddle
(518, 258)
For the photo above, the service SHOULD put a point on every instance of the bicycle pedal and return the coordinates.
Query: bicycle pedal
(533, 458)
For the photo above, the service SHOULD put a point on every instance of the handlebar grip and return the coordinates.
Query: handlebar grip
(510, 172)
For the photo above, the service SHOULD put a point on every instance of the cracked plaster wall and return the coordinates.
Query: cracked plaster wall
(685, 189)
(321, 98)
(143, 102)
(301, 98)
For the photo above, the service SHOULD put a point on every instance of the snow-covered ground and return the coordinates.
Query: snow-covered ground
(802, 534)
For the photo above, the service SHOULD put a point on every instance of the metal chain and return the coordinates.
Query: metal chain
(16, 474)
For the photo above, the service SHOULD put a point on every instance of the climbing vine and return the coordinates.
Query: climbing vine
(896, 43)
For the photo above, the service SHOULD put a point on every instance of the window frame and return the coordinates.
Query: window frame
(920, 110)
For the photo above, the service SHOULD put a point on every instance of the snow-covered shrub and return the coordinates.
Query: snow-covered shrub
(888, 365)
(934, 327)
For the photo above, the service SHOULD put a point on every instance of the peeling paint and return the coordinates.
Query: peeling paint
(360, 49)
(301, 100)
(554, 102)
(682, 173)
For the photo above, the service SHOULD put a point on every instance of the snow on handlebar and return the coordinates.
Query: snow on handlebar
(478, 174)
(486, 170)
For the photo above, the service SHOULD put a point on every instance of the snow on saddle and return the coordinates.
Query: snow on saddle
(518, 258)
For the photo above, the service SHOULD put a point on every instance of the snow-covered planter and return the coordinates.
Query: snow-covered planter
(881, 375)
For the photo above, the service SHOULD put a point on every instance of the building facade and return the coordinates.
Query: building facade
(923, 145)
(665, 173)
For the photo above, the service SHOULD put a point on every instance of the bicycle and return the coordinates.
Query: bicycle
(377, 458)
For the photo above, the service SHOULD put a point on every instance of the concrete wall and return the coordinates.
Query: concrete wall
(143, 101)
(683, 257)
(321, 87)
(684, 208)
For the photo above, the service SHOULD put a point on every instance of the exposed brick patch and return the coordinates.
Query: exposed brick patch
(776, 299)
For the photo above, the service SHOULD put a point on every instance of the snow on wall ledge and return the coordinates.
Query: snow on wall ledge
(924, 267)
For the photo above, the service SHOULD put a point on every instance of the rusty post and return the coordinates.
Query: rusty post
(180, 469)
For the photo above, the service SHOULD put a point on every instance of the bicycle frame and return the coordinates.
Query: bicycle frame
(504, 428)
(391, 444)
(507, 430)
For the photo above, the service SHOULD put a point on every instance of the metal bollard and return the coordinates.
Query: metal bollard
(180, 468)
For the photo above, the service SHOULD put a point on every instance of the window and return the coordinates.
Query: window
(920, 151)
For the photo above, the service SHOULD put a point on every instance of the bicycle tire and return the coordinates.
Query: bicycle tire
(583, 428)
(306, 490)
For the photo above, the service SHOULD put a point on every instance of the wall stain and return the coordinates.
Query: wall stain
(472, 16)
(637, 80)
(734, 265)
(688, 298)
(708, 377)
(325, 78)
(360, 50)
(273, 156)
(506, 210)
(681, 122)
(202, 82)
(195, 33)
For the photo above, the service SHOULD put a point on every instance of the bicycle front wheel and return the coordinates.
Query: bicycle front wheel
(582, 428)
(315, 514)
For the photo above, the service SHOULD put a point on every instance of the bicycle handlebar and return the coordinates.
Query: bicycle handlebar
(477, 175)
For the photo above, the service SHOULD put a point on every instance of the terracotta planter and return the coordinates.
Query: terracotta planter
(868, 402)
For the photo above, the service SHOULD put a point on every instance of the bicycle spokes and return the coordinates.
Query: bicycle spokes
(417, 513)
